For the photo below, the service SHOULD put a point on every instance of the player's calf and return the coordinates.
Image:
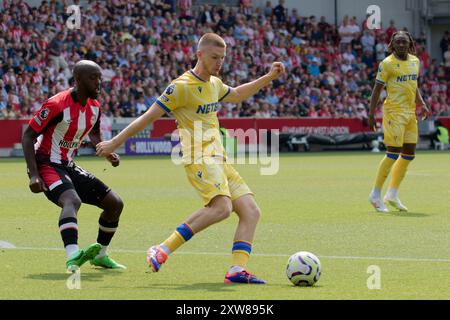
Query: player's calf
(108, 224)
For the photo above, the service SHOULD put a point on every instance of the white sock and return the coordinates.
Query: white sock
(165, 248)
(102, 252)
(71, 249)
(376, 193)
(234, 269)
(392, 193)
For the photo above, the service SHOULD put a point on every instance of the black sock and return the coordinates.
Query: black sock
(68, 228)
(106, 231)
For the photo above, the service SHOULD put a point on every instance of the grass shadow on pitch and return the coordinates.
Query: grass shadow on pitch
(210, 287)
(403, 214)
(289, 285)
(220, 287)
(65, 276)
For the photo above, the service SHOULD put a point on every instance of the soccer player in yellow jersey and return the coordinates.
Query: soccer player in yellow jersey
(194, 99)
(399, 72)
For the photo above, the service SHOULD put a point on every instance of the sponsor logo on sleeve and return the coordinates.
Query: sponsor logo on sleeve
(43, 114)
(170, 89)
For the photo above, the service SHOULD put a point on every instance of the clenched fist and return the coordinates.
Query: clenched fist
(276, 70)
(37, 184)
(114, 159)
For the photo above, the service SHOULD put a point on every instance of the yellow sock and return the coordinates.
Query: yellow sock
(240, 258)
(182, 234)
(174, 241)
(399, 170)
(241, 253)
(384, 168)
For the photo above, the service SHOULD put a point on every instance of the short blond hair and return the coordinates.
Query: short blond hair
(211, 39)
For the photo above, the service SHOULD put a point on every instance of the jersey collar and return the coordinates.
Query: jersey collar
(398, 59)
(193, 73)
(73, 94)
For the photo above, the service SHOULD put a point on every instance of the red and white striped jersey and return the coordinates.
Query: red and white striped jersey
(62, 124)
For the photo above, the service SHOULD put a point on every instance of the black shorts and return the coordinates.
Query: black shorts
(59, 178)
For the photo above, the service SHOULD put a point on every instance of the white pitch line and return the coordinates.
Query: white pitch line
(6, 245)
(423, 174)
(257, 254)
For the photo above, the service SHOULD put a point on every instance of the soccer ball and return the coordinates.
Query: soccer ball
(303, 269)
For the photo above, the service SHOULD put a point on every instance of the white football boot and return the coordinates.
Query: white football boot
(394, 202)
(377, 203)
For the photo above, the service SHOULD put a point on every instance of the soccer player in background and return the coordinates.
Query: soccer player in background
(399, 72)
(60, 126)
(194, 99)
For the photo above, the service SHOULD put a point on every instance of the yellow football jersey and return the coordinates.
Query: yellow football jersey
(400, 78)
(194, 103)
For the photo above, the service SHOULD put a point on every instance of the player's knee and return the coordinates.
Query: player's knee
(114, 205)
(254, 214)
(251, 214)
(223, 213)
(114, 214)
(223, 208)
(409, 149)
(118, 206)
(73, 202)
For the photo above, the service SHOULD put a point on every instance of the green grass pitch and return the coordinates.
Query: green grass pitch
(316, 202)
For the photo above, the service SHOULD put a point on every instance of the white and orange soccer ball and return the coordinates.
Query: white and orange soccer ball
(303, 269)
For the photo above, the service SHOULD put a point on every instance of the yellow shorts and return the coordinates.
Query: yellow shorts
(399, 128)
(215, 179)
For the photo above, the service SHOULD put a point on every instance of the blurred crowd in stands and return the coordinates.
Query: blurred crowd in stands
(143, 45)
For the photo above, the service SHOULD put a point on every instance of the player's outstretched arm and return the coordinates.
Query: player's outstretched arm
(422, 104)
(245, 91)
(373, 103)
(36, 183)
(105, 148)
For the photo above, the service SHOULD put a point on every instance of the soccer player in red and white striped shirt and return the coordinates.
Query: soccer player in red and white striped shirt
(59, 127)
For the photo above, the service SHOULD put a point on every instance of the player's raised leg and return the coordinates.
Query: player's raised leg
(112, 206)
(398, 173)
(248, 213)
(217, 210)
